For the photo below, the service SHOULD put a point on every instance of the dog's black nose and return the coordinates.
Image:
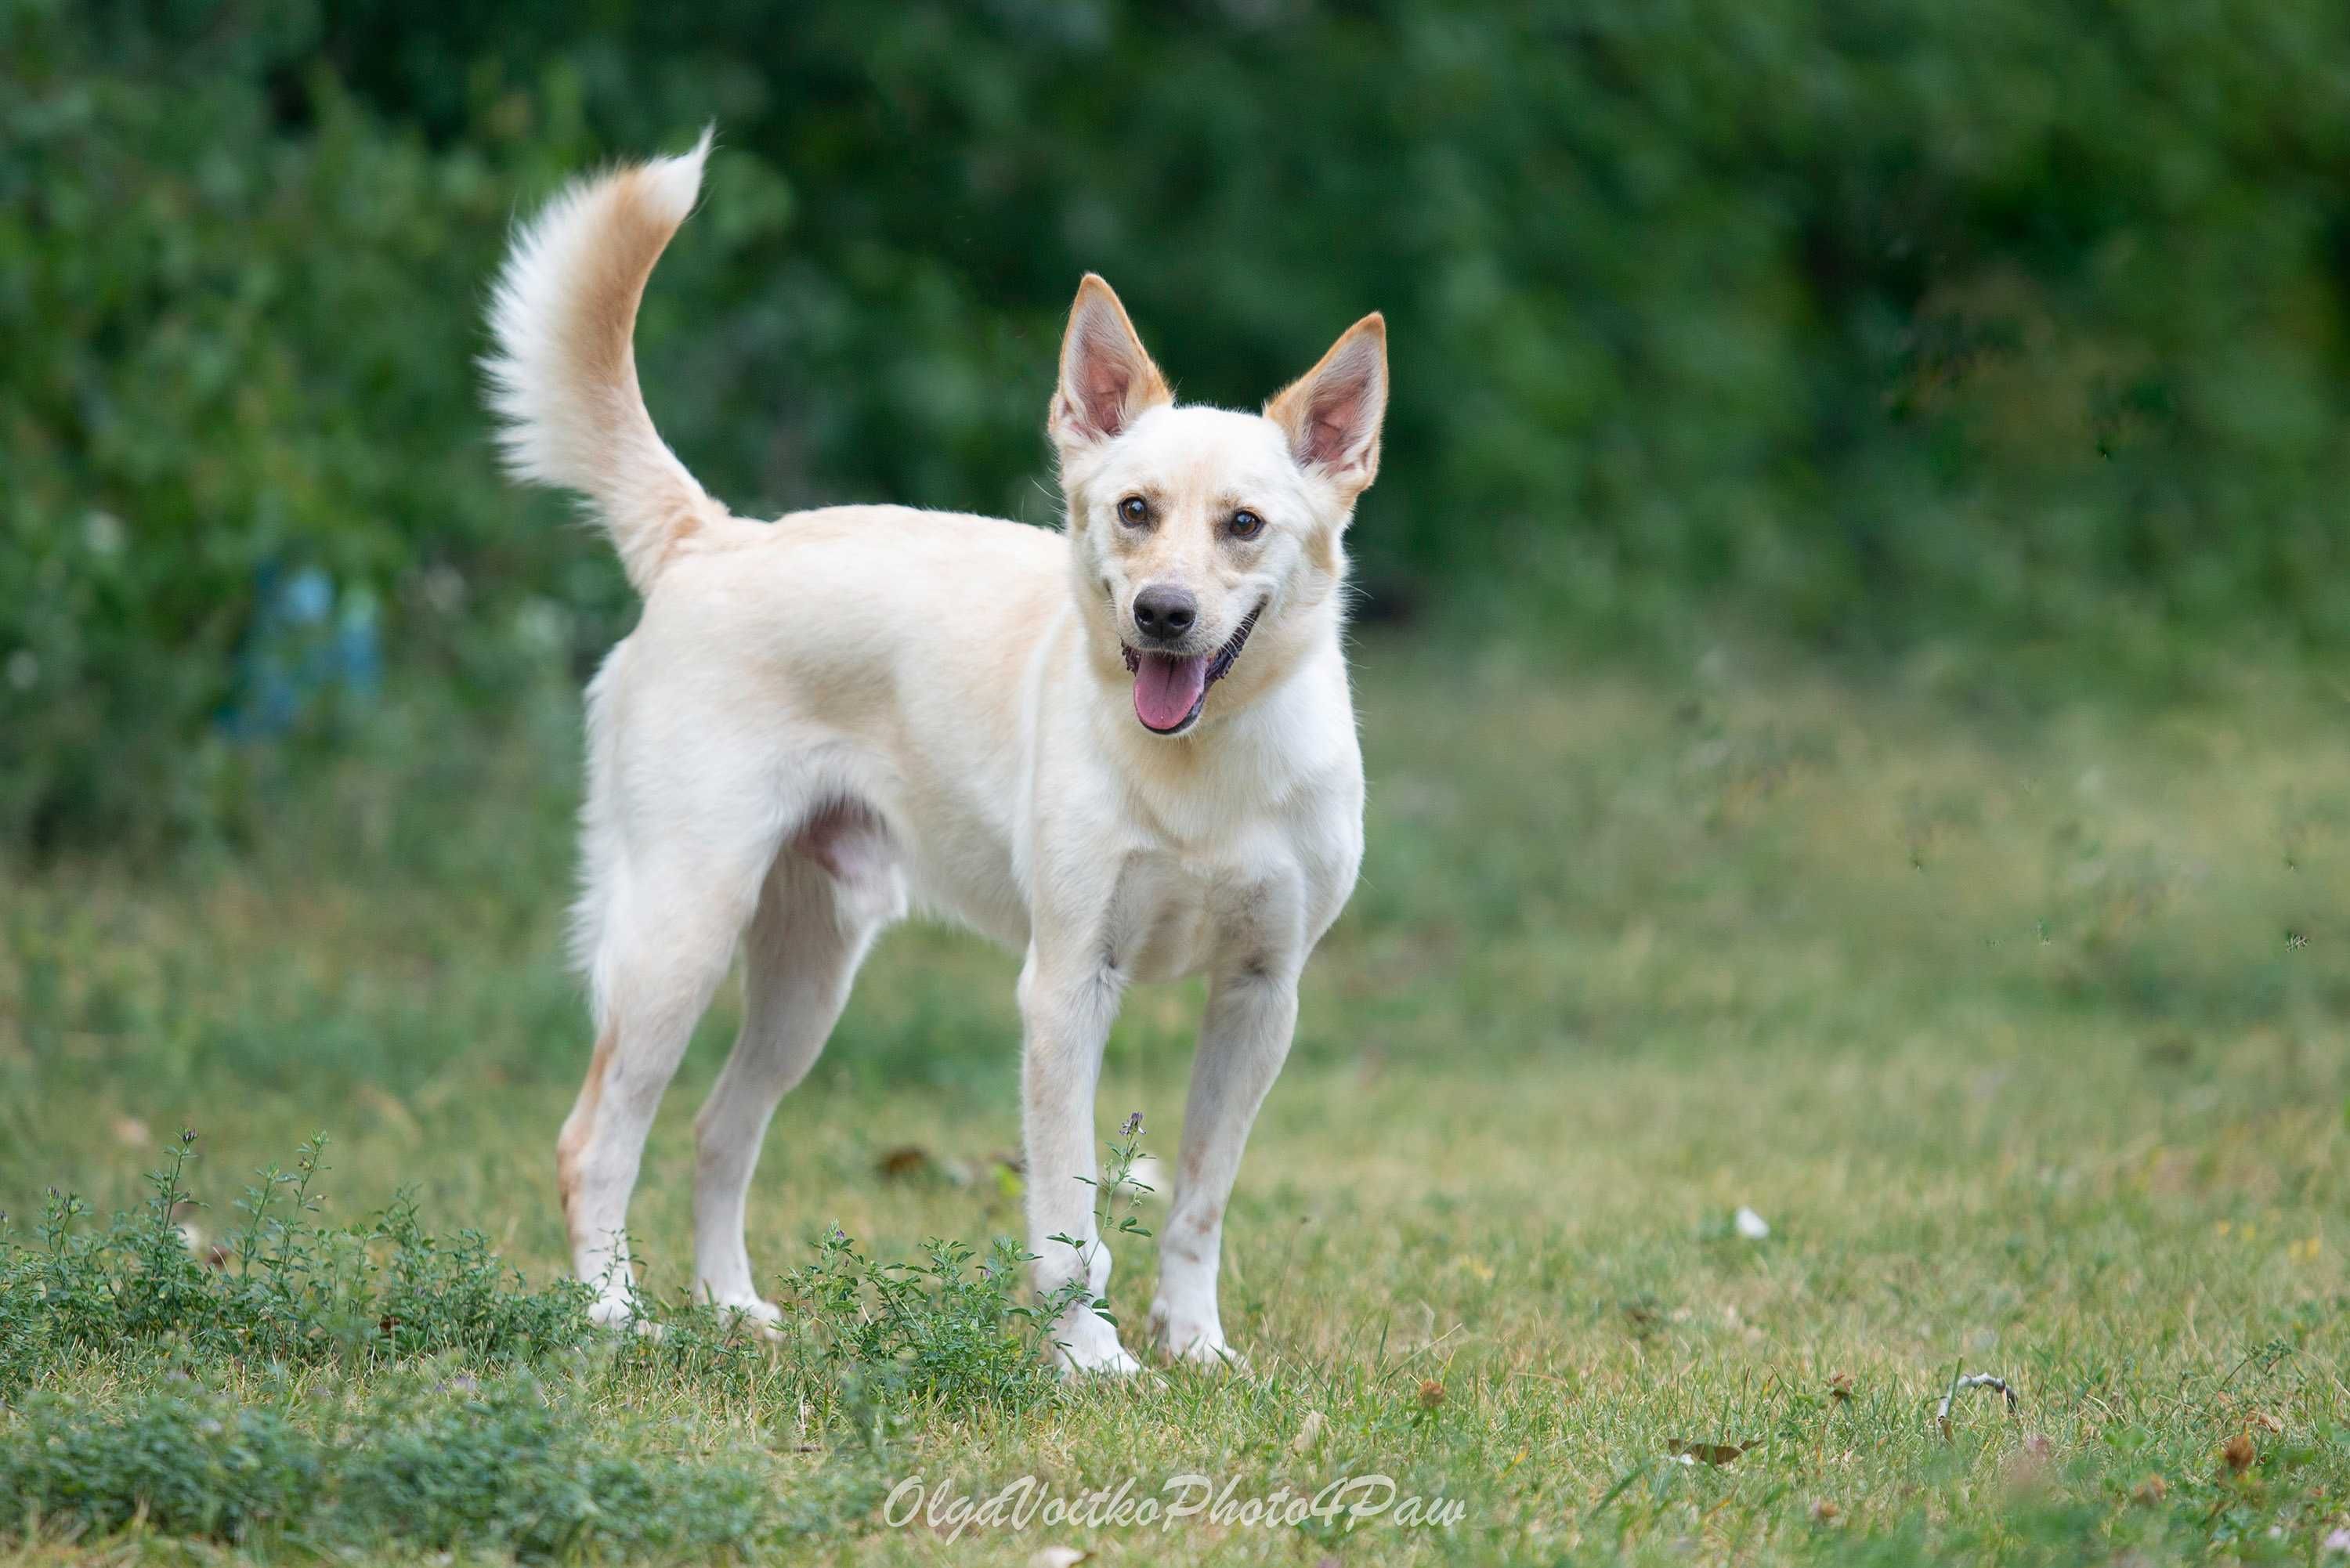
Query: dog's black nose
(1163, 613)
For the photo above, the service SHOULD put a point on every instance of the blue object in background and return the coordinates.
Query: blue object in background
(307, 641)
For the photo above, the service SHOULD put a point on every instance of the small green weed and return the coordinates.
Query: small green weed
(282, 1288)
(935, 1333)
(1118, 1200)
(501, 1466)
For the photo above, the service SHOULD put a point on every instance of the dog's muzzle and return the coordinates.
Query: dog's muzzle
(1169, 689)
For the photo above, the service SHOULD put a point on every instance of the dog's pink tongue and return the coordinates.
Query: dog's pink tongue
(1165, 686)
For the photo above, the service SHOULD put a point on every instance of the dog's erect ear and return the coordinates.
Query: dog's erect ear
(1106, 380)
(1332, 413)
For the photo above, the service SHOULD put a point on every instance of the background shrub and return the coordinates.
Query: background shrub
(1864, 325)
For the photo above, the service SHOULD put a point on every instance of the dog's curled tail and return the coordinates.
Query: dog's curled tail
(562, 375)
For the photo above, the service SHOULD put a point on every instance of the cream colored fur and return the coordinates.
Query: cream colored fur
(823, 721)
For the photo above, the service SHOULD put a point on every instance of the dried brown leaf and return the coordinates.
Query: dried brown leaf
(1708, 1453)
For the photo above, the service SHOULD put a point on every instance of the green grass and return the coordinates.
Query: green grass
(2025, 1028)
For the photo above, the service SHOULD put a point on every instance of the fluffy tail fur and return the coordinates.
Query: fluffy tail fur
(563, 377)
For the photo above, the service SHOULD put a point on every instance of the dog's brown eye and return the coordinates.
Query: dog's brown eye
(1246, 524)
(1134, 510)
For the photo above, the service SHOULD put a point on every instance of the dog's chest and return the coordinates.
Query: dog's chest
(1174, 914)
(1162, 920)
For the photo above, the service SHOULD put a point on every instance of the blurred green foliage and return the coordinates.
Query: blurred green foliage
(1864, 324)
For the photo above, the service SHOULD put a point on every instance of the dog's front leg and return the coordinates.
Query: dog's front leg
(1066, 1011)
(1243, 1040)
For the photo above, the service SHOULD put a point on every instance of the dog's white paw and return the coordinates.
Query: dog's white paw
(1084, 1346)
(1185, 1337)
(1117, 1361)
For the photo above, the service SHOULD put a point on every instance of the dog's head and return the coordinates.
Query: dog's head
(1207, 542)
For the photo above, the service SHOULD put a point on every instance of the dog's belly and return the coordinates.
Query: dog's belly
(971, 887)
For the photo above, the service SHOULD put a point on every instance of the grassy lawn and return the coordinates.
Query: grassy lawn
(2023, 1030)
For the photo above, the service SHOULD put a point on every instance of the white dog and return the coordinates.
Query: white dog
(1126, 749)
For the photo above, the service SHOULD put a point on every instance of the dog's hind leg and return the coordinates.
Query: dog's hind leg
(825, 899)
(665, 936)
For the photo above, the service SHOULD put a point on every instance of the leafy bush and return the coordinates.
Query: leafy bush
(239, 399)
(2017, 320)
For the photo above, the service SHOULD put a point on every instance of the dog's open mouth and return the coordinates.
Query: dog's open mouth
(1169, 689)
